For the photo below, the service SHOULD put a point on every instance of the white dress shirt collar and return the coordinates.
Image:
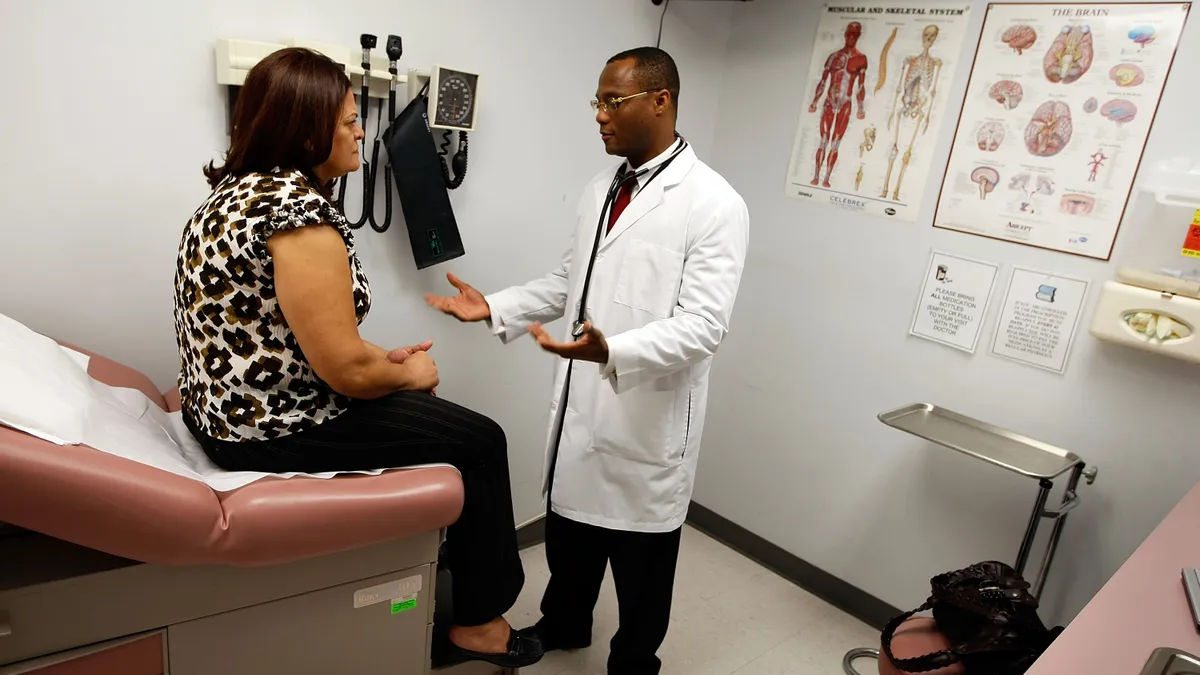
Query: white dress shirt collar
(652, 164)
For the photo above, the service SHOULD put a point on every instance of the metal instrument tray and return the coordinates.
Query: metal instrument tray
(1170, 661)
(992, 444)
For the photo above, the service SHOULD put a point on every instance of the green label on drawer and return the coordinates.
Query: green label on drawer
(403, 605)
(392, 591)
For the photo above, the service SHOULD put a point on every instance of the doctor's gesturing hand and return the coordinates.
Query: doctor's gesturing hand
(468, 305)
(591, 345)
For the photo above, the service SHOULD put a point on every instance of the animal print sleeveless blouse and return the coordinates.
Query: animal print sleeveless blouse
(243, 376)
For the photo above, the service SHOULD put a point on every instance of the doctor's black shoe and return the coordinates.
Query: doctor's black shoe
(551, 642)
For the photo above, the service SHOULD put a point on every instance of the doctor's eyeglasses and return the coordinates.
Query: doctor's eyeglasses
(612, 104)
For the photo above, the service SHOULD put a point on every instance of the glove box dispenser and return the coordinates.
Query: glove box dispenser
(1152, 320)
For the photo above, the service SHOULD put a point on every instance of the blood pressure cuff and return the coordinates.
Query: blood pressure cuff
(432, 230)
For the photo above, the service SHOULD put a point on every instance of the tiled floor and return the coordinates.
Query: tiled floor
(730, 616)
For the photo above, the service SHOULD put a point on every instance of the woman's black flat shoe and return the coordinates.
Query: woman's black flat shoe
(522, 653)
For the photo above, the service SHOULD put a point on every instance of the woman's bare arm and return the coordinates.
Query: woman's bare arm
(316, 295)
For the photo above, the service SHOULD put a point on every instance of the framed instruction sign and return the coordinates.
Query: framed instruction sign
(1040, 315)
(954, 300)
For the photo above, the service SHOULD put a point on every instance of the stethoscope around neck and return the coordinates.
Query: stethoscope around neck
(618, 183)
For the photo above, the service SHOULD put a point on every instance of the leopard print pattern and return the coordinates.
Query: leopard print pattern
(243, 376)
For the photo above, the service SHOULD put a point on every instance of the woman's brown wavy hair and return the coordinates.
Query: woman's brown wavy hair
(285, 115)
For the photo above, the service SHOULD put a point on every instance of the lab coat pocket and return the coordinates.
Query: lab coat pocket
(639, 425)
(649, 278)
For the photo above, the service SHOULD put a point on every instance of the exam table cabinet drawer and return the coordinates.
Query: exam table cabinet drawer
(57, 597)
(135, 656)
(318, 633)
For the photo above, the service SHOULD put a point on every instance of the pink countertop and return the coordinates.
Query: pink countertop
(1141, 608)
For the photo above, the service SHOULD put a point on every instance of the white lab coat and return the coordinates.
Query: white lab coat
(662, 292)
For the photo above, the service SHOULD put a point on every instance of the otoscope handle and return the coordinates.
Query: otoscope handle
(367, 42)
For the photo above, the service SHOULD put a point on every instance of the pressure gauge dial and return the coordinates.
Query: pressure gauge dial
(453, 100)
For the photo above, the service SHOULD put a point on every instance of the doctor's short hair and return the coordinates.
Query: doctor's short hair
(285, 116)
(655, 69)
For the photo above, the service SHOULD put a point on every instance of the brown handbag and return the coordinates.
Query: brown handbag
(990, 618)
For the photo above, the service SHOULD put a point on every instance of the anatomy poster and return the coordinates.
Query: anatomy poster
(1057, 112)
(874, 100)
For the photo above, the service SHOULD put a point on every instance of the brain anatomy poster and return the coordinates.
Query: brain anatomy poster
(876, 94)
(1057, 113)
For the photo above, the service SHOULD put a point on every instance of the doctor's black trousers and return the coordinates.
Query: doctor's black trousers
(405, 429)
(643, 567)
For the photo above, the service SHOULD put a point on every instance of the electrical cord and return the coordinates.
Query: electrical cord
(366, 196)
(662, 17)
(458, 162)
(366, 166)
(387, 181)
(366, 193)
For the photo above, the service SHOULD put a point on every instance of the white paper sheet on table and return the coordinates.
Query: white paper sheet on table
(114, 420)
(42, 390)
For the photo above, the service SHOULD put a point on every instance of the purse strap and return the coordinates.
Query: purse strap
(917, 664)
(947, 589)
(932, 660)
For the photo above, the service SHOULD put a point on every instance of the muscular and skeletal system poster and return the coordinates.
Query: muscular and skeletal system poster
(1057, 112)
(874, 101)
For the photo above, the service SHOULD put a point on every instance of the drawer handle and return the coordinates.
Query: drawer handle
(5, 628)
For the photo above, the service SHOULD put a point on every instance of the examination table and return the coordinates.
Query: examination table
(112, 567)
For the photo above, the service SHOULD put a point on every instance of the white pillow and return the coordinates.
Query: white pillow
(43, 391)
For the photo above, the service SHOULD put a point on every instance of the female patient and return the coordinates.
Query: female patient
(268, 298)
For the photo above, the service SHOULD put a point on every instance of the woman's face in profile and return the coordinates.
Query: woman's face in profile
(343, 158)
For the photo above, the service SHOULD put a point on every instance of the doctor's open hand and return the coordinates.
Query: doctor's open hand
(468, 305)
(590, 347)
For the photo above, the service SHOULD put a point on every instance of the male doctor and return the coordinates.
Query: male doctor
(631, 388)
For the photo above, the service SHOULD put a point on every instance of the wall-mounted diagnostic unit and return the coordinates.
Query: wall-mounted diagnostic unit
(452, 95)
(440, 98)
(1154, 303)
